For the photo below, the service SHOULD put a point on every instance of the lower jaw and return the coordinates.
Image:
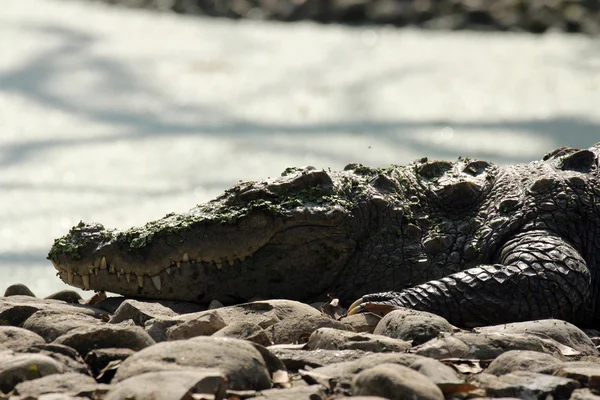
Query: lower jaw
(193, 282)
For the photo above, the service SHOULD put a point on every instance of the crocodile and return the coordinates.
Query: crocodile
(469, 240)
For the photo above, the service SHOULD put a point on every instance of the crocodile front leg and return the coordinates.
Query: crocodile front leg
(539, 275)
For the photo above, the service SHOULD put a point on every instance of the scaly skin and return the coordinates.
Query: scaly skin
(471, 241)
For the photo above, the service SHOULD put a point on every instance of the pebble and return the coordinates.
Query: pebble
(335, 339)
(415, 326)
(395, 382)
(279, 349)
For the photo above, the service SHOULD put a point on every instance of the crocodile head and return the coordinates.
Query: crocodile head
(287, 237)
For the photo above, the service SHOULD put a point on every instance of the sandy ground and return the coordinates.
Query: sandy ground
(122, 116)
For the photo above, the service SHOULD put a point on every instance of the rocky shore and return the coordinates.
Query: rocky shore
(115, 348)
(535, 16)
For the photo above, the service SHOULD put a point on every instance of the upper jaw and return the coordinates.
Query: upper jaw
(92, 257)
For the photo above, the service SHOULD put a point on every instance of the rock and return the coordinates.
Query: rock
(140, 312)
(340, 375)
(245, 331)
(18, 339)
(205, 324)
(65, 355)
(295, 359)
(390, 12)
(553, 369)
(14, 310)
(360, 398)
(297, 331)
(586, 373)
(526, 384)
(485, 345)
(98, 359)
(273, 363)
(561, 331)
(238, 360)
(284, 321)
(583, 394)
(18, 289)
(16, 368)
(395, 382)
(312, 392)
(264, 313)
(68, 296)
(348, 10)
(50, 324)
(182, 307)
(412, 325)
(157, 328)
(70, 383)
(170, 385)
(214, 304)
(261, 313)
(520, 360)
(334, 339)
(110, 304)
(363, 322)
(89, 338)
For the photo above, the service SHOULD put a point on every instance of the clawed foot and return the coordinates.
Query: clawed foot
(379, 304)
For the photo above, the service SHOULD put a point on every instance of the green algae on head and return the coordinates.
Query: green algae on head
(79, 237)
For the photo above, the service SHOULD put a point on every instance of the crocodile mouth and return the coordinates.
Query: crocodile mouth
(205, 261)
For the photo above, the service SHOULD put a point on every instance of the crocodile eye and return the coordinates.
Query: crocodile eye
(309, 177)
(383, 183)
(304, 182)
(476, 167)
(582, 160)
(254, 193)
(434, 169)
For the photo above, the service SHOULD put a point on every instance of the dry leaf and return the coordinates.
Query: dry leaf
(464, 365)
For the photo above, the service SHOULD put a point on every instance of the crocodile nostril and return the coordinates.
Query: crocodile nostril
(459, 193)
(582, 160)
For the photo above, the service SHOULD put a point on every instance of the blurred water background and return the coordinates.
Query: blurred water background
(122, 115)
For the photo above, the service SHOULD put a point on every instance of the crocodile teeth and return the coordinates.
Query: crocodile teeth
(178, 264)
(242, 258)
(231, 262)
(112, 269)
(140, 279)
(219, 265)
(86, 281)
(156, 282)
(96, 271)
(118, 274)
(69, 277)
(168, 269)
(185, 257)
(103, 263)
(128, 277)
